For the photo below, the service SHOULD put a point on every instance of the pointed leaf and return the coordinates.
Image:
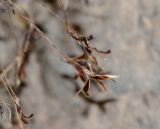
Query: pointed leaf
(105, 77)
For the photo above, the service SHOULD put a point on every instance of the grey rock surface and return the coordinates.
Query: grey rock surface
(131, 29)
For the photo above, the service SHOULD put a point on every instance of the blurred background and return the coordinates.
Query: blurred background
(130, 28)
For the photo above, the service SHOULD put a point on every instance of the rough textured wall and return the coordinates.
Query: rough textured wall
(131, 29)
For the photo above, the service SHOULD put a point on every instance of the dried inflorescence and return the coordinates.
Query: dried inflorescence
(87, 69)
(86, 65)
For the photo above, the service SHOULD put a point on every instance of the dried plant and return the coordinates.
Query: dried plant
(21, 118)
(86, 66)
(23, 54)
